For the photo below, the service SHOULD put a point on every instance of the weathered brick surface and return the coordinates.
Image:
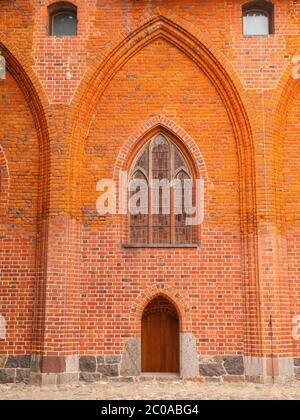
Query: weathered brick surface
(73, 111)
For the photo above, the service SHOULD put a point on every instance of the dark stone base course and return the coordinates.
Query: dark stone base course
(226, 369)
(15, 369)
(96, 368)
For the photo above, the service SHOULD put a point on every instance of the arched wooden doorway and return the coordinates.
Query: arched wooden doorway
(160, 337)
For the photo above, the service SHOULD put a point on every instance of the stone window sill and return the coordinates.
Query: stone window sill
(166, 246)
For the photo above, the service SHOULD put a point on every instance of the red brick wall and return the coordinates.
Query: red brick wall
(146, 87)
(18, 230)
(73, 104)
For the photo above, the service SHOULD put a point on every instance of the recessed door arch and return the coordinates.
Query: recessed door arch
(160, 337)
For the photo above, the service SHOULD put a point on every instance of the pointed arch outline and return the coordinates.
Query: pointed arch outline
(210, 60)
(161, 124)
(20, 67)
(182, 140)
(194, 45)
(288, 89)
(173, 296)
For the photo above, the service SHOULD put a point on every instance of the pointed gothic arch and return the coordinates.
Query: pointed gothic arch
(217, 69)
(195, 46)
(161, 125)
(20, 68)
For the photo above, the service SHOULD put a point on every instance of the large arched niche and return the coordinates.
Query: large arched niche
(18, 67)
(25, 142)
(194, 45)
(286, 143)
(103, 116)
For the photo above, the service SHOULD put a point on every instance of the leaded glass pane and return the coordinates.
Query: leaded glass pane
(64, 24)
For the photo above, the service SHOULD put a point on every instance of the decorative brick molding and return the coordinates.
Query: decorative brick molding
(188, 146)
(168, 292)
(159, 123)
(187, 39)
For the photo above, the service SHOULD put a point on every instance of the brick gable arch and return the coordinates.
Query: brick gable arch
(215, 66)
(194, 45)
(175, 297)
(161, 125)
(20, 68)
(188, 365)
(279, 124)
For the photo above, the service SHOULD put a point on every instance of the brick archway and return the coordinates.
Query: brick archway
(189, 148)
(131, 359)
(285, 98)
(160, 338)
(217, 69)
(196, 46)
(174, 296)
(20, 68)
(152, 127)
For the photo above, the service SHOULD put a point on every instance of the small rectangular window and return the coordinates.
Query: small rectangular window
(62, 19)
(258, 18)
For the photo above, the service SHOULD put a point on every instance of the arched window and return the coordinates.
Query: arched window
(62, 19)
(161, 195)
(258, 18)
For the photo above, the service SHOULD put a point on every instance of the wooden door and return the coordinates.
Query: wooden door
(160, 338)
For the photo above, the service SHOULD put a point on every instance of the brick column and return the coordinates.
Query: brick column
(56, 334)
(269, 356)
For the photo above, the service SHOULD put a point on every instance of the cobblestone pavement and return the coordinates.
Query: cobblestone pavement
(153, 389)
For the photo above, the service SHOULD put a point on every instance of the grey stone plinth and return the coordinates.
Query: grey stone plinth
(2, 361)
(23, 361)
(109, 371)
(90, 377)
(22, 376)
(100, 360)
(131, 360)
(112, 360)
(188, 356)
(87, 364)
(234, 365)
(211, 370)
(269, 371)
(12, 362)
(72, 364)
(7, 376)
